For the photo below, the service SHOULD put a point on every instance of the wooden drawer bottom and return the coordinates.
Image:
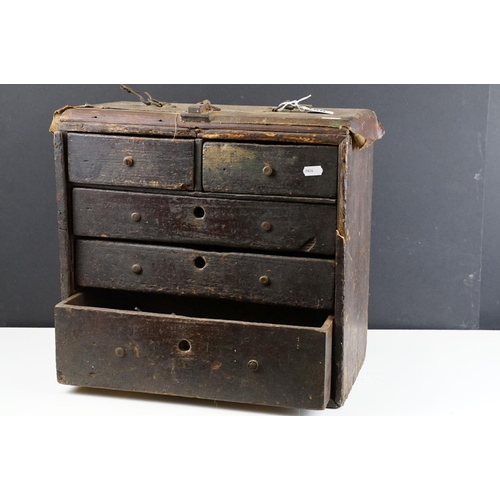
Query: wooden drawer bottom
(102, 345)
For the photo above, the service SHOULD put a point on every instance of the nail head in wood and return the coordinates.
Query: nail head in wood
(267, 170)
(253, 365)
(266, 226)
(128, 161)
(264, 280)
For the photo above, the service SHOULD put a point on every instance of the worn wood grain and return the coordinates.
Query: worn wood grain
(274, 134)
(352, 270)
(244, 133)
(201, 194)
(128, 118)
(242, 168)
(198, 164)
(131, 161)
(193, 286)
(196, 307)
(198, 358)
(301, 282)
(274, 226)
(63, 218)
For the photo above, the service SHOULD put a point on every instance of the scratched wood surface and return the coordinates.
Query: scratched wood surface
(131, 161)
(353, 269)
(269, 169)
(65, 234)
(174, 212)
(295, 281)
(255, 363)
(274, 226)
(241, 122)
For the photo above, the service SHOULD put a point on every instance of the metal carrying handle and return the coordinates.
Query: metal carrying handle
(150, 100)
(293, 105)
(303, 108)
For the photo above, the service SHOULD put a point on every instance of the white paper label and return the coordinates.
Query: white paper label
(310, 171)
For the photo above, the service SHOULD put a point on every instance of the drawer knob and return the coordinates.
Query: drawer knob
(266, 226)
(253, 365)
(136, 216)
(137, 269)
(264, 280)
(129, 161)
(267, 170)
(120, 352)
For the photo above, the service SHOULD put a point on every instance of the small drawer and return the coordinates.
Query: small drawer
(131, 161)
(277, 226)
(287, 170)
(291, 281)
(114, 344)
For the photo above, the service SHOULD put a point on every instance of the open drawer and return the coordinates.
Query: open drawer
(107, 339)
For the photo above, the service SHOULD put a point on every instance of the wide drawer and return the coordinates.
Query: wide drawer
(270, 169)
(293, 281)
(278, 226)
(131, 161)
(216, 359)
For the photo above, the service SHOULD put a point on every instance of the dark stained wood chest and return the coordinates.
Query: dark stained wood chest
(218, 253)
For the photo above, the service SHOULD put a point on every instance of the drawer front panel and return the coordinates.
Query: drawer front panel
(293, 281)
(270, 169)
(212, 359)
(278, 226)
(131, 161)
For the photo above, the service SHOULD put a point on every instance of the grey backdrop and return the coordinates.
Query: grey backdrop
(435, 235)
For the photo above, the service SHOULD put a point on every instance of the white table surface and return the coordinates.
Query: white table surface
(77, 444)
(406, 373)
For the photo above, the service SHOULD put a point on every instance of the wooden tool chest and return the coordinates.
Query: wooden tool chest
(214, 252)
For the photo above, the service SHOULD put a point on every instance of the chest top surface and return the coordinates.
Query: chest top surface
(192, 120)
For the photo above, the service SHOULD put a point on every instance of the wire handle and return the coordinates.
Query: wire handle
(303, 108)
(150, 100)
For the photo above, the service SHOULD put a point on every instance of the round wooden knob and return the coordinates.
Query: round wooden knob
(129, 161)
